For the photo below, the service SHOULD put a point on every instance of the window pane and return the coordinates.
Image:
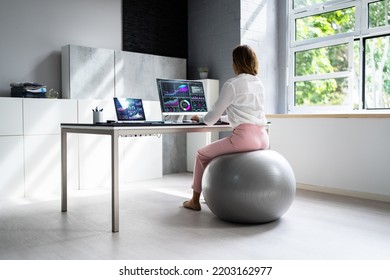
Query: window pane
(306, 3)
(326, 24)
(322, 60)
(377, 69)
(378, 13)
(321, 92)
(355, 93)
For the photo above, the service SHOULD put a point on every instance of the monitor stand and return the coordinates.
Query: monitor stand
(180, 119)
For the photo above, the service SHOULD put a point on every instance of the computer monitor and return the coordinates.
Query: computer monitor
(181, 97)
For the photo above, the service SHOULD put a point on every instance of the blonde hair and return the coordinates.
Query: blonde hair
(245, 60)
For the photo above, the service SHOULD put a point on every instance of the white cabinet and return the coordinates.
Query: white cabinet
(11, 166)
(44, 116)
(96, 73)
(196, 141)
(42, 164)
(87, 73)
(42, 144)
(11, 148)
(30, 148)
(11, 111)
(30, 143)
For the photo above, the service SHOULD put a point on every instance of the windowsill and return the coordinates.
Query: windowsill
(357, 115)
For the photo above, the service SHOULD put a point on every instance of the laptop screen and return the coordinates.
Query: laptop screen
(129, 109)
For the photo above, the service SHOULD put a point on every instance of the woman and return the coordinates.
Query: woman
(243, 99)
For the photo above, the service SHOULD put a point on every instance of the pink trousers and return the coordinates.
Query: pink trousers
(245, 137)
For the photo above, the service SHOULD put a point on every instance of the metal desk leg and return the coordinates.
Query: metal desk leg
(115, 181)
(64, 171)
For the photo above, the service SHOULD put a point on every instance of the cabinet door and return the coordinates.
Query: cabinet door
(43, 165)
(44, 116)
(87, 73)
(11, 111)
(11, 166)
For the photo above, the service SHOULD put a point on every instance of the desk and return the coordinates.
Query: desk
(116, 130)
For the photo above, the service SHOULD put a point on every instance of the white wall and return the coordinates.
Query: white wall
(32, 33)
(259, 30)
(341, 155)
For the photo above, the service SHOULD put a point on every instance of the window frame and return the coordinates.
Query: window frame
(363, 84)
(320, 9)
(361, 32)
(342, 74)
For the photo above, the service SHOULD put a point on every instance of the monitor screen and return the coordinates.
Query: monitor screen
(181, 97)
(129, 109)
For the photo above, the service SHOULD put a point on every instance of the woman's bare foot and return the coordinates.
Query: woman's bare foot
(190, 204)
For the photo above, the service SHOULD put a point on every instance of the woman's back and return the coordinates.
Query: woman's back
(248, 98)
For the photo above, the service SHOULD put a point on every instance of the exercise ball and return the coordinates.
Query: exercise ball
(249, 187)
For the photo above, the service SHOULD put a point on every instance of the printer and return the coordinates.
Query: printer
(28, 89)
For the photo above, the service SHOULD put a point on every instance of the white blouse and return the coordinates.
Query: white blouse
(243, 99)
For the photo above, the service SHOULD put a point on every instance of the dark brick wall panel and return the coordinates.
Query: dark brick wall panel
(156, 27)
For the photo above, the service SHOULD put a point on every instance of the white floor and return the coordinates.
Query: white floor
(153, 225)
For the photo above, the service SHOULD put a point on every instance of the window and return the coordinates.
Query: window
(377, 72)
(379, 13)
(321, 75)
(325, 24)
(304, 3)
(339, 55)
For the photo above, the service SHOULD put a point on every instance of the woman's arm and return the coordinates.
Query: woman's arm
(224, 100)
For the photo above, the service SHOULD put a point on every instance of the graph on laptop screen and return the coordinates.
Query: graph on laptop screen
(181, 97)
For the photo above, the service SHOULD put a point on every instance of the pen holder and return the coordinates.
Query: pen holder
(97, 117)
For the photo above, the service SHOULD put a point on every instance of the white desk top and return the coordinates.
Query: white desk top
(138, 129)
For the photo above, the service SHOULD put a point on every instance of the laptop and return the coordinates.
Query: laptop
(129, 110)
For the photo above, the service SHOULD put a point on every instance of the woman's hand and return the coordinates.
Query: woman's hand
(195, 118)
